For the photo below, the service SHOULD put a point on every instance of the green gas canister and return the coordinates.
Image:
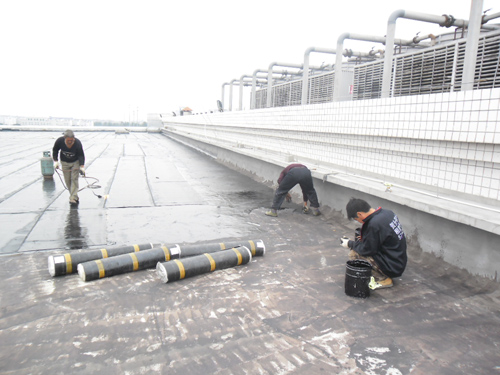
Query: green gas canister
(47, 165)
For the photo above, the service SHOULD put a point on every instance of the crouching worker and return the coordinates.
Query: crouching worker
(290, 176)
(380, 241)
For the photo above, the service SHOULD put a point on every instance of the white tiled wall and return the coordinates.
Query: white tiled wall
(449, 141)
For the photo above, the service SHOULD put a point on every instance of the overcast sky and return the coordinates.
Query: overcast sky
(120, 60)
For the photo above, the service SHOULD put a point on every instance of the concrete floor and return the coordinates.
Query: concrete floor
(284, 313)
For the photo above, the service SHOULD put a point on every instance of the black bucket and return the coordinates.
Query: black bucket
(357, 278)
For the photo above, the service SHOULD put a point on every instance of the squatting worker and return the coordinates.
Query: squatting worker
(380, 240)
(72, 162)
(290, 176)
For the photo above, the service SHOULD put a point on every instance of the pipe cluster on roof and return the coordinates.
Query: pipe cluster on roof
(305, 70)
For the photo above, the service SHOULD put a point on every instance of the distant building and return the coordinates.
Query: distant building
(8, 120)
(44, 121)
(186, 111)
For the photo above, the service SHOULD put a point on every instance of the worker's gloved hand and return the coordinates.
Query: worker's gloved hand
(344, 242)
(56, 164)
(82, 171)
(288, 198)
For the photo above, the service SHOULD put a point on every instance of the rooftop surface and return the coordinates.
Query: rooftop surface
(283, 313)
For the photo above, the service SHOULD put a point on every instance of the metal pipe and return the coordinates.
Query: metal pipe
(254, 83)
(418, 39)
(231, 95)
(240, 107)
(305, 75)
(362, 37)
(349, 53)
(231, 83)
(372, 54)
(270, 78)
(253, 91)
(490, 17)
(241, 88)
(222, 95)
(248, 83)
(471, 47)
(67, 263)
(444, 21)
(200, 264)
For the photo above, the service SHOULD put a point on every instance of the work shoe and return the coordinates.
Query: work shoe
(380, 284)
(305, 210)
(272, 212)
(72, 202)
(315, 211)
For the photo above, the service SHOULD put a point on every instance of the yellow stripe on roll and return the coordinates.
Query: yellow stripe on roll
(104, 253)
(211, 260)
(135, 261)
(100, 266)
(167, 253)
(222, 246)
(182, 271)
(238, 254)
(69, 264)
(136, 248)
(252, 247)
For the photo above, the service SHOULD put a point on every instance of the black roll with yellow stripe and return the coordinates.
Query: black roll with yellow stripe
(256, 247)
(178, 269)
(97, 269)
(67, 263)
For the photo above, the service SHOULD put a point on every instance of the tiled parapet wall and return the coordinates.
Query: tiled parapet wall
(447, 141)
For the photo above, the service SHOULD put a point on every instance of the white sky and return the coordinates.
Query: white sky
(121, 59)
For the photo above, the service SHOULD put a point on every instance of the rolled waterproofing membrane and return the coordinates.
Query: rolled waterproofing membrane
(179, 269)
(120, 264)
(97, 269)
(67, 263)
(256, 247)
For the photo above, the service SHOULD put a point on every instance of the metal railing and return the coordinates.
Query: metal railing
(435, 69)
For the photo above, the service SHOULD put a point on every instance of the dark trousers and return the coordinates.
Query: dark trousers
(301, 176)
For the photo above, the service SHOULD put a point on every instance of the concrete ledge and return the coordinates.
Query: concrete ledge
(446, 206)
(450, 207)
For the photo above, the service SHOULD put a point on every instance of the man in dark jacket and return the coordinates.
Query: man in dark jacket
(72, 162)
(290, 176)
(381, 241)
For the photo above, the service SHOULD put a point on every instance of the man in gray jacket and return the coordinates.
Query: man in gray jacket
(72, 162)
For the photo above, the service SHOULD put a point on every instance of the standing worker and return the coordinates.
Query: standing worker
(72, 162)
(290, 176)
(380, 241)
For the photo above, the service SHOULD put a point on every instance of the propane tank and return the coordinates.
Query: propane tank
(47, 165)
